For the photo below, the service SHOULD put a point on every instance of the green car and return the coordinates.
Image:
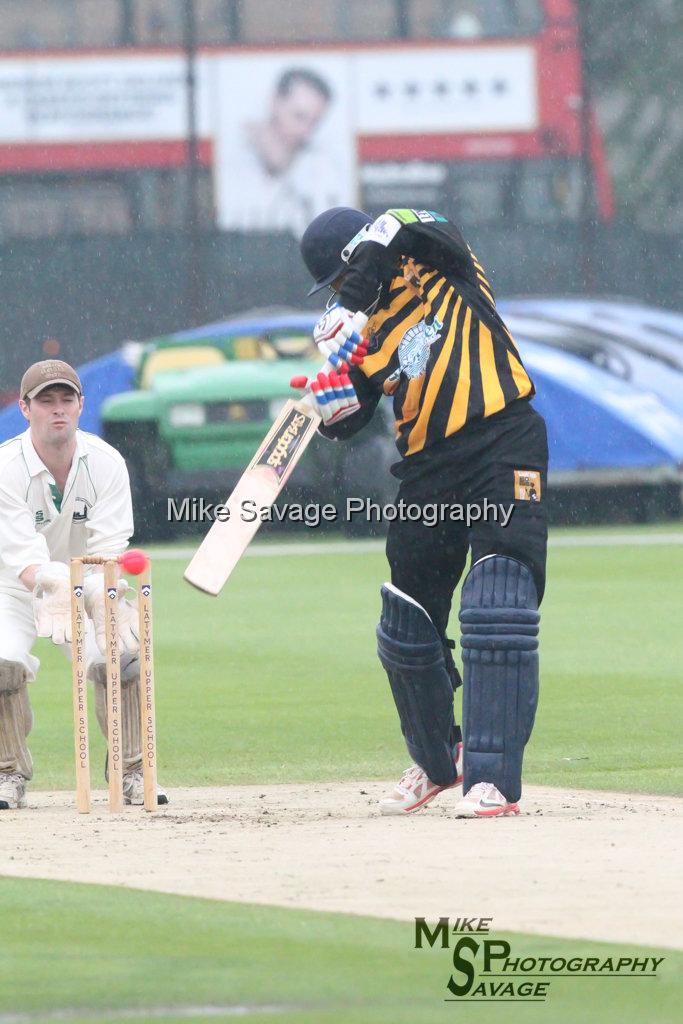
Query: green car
(204, 402)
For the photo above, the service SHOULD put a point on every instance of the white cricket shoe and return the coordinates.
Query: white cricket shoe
(134, 789)
(416, 789)
(12, 791)
(483, 800)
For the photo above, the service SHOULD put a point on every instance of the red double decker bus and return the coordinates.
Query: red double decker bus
(475, 107)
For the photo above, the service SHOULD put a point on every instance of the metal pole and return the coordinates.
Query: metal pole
(233, 20)
(192, 224)
(587, 214)
(402, 19)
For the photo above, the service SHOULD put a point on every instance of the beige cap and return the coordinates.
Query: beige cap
(47, 372)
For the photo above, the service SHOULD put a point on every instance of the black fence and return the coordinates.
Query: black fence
(91, 294)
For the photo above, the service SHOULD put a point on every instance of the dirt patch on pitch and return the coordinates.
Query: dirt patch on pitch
(592, 865)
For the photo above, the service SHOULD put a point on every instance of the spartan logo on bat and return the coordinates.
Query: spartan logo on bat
(279, 452)
(78, 590)
(146, 589)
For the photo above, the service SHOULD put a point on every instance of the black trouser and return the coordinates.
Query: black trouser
(476, 464)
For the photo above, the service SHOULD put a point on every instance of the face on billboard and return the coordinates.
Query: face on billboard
(297, 113)
(285, 145)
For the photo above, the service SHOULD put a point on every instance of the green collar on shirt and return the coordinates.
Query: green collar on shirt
(56, 496)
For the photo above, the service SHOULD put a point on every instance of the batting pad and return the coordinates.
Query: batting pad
(411, 652)
(499, 620)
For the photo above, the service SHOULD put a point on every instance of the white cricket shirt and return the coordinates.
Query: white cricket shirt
(96, 514)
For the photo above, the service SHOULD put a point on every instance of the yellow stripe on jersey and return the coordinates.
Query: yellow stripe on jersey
(487, 293)
(519, 375)
(418, 435)
(411, 402)
(494, 399)
(378, 360)
(458, 413)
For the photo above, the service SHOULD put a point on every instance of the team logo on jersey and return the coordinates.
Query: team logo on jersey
(81, 506)
(40, 517)
(414, 346)
(527, 485)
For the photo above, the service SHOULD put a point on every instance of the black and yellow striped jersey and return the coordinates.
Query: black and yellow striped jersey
(437, 344)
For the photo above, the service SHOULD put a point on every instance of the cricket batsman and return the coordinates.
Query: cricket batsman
(63, 493)
(466, 432)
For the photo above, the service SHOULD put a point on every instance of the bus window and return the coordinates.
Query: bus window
(108, 204)
(157, 22)
(59, 24)
(272, 21)
(475, 19)
(549, 191)
(214, 22)
(50, 206)
(481, 193)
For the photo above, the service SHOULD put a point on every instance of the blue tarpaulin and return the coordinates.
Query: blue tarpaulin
(595, 420)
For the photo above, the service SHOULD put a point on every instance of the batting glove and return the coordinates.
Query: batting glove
(51, 602)
(93, 595)
(337, 335)
(332, 395)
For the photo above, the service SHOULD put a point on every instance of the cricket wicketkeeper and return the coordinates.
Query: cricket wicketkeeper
(466, 432)
(63, 493)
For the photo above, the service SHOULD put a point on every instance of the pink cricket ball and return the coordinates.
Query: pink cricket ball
(134, 561)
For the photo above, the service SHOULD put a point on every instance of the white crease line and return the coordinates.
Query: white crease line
(356, 547)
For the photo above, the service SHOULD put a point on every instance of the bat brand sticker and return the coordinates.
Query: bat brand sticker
(279, 453)
(111, 593)
(527, 485)
(78, 591)
(146, 589)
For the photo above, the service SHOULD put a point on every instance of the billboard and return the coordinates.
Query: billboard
(287, 133)
(284, 140)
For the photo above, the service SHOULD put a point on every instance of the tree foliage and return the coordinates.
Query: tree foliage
(633, 62)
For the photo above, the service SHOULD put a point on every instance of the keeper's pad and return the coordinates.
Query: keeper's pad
(499, 619)
(130, 707)
(16, 719)
(411, 651)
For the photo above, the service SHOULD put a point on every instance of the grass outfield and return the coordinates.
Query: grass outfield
(277, 679)
(68, 949)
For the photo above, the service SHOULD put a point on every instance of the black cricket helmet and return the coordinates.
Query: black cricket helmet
(326, 242)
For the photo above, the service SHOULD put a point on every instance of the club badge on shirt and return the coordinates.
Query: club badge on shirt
(413, 349)
(81, 506)
(527, 485)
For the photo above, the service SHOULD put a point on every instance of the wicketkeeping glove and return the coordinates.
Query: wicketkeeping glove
(337, 335)
(51, 602)
(333, 394)
(93, 595)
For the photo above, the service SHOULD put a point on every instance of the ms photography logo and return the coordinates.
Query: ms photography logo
(486, 970)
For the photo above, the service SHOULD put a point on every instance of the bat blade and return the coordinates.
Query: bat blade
(260, 484)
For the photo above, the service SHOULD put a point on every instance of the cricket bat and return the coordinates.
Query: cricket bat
(258, 487)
